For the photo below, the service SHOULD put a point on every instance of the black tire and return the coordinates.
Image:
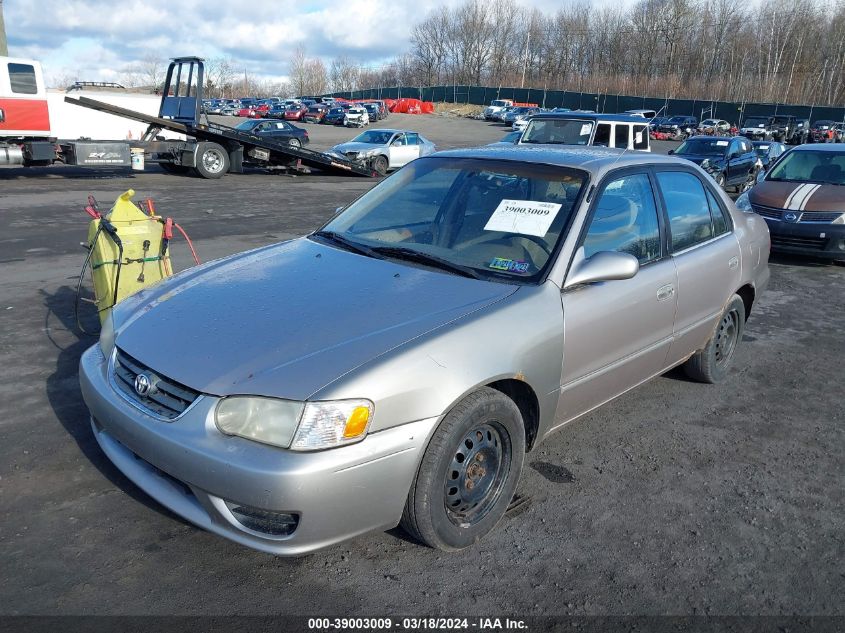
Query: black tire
(380, 165)
(295, 143)
(456, 497)
(712, 363)
(212, 160)
(720, 180)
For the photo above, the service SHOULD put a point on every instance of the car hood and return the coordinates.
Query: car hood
(343, 148)
(798, 196)
(288, 319)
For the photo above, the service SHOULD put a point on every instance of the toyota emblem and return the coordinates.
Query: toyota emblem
(142, 385)
(790, 217)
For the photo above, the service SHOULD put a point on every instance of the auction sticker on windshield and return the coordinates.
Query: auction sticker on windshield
(722, 143)
(525, 217)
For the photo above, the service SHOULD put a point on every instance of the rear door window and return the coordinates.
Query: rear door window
(687, 208)
(640, 137)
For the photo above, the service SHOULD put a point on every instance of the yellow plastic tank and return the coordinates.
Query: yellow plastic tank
(141, 262)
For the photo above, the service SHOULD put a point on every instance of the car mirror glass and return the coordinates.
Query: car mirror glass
(602, 266)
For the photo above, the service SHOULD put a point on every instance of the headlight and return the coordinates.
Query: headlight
(107, 335)
(839, 220)
(302, 426)
(743, 203)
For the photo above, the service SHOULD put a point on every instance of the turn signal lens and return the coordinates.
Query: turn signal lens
(357, 422)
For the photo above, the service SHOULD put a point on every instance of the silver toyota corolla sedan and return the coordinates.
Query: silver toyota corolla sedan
(396, 365)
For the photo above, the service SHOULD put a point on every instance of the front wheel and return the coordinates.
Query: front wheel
(720, 180)
(380, 165)
(468, 473)
(711, 364)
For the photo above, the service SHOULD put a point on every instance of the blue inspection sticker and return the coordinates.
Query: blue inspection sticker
(509, 265)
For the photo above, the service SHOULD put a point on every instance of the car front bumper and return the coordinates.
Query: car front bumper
(191, 468)
(825, 241)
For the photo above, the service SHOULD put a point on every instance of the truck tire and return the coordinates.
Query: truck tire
(212, 160)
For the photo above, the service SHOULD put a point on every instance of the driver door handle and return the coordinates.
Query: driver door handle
(664, 292)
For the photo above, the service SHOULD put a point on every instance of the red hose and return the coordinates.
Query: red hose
(190, 244)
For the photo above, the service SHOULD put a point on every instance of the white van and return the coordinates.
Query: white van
(576, 128)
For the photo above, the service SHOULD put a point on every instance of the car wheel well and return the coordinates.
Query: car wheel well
(529, 406)
(747, 295)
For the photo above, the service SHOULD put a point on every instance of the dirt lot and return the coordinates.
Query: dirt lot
(679, 498)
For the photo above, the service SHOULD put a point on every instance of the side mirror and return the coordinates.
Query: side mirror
(603, 266)
(338, 210)
(671, 151)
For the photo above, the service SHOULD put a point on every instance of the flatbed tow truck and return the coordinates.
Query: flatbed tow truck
(208, 149)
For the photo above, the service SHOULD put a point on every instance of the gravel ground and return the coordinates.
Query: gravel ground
(677, 498)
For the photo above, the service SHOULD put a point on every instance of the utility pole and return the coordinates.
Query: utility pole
(4, 48)
(525, 64)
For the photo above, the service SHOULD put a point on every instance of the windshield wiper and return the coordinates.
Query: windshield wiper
(410, 254)
(345, 242)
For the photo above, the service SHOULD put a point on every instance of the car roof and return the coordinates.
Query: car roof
(591, 116)
(592, 158)
(716, 138)
(392, 131)
(833, 148)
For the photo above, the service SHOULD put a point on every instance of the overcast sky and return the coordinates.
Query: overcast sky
(101, 40)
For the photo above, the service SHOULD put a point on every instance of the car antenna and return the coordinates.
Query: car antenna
(648, 126)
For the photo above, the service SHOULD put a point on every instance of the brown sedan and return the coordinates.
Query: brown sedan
(802, 198)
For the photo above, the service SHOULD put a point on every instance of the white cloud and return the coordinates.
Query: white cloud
(102, 39)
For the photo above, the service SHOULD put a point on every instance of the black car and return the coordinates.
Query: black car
(768, 152)
(731, 161)
(334, 116)
(682, 126)
(372, 111)
(276, 111)
(655, 123)
(276, 130)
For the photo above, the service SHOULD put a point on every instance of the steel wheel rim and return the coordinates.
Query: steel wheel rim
(212, 160)
(294, 142)
(726, 337)
(720, 180)
(477, 474)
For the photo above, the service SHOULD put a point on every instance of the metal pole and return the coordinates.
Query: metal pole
(525, 63)
(4, 48)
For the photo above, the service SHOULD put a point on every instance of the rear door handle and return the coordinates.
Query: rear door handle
(664, 292)
(733, 262)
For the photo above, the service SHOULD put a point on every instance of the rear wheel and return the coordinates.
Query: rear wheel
(468, 473)
(711, 364)
(212, 160)
(295, 143)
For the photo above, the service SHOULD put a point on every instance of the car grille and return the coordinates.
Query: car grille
(804, 217)
(167, 398)
(795, 241)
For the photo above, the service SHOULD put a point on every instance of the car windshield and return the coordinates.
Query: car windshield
(498, 104)
(811, 166)
(702, 147)
(678, 119)
(756, 122)
(373, 137)
(558, 131)
(780, 120)
(482, 218)
(710, 122)
(762, 150)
